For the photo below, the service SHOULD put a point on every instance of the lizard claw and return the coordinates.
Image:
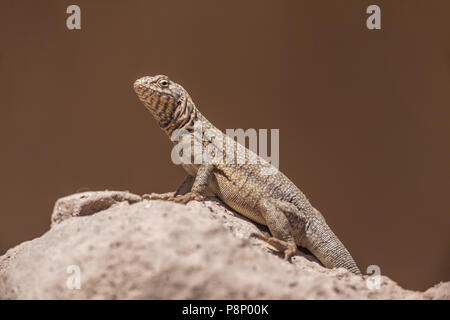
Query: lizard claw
(259, 236)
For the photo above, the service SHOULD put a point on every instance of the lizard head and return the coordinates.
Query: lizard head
(169, 102)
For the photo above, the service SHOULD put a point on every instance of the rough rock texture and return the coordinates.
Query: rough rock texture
(88, 203)
(133, 249)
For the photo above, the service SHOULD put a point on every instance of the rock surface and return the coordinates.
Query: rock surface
(88, 203)
(112, 245)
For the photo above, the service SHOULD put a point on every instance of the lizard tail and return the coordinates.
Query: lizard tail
(325, 245)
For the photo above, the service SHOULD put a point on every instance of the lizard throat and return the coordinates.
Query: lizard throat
(183, 118)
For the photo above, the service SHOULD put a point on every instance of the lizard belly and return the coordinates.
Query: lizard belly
(243, 199)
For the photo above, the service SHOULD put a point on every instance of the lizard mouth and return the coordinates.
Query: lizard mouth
(140, 85)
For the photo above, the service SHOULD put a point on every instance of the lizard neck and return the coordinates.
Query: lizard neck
(185, 117)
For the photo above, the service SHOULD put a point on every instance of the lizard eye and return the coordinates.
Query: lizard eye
(164, 83)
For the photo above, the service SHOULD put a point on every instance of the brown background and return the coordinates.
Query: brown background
(363, 115)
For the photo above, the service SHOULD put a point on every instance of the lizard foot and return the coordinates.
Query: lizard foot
(289, 249)
(159, 196)
(185, 198)
(170, 196)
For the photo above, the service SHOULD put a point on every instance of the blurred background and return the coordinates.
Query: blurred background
(363, 114)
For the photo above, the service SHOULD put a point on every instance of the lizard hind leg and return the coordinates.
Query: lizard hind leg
(282, 237)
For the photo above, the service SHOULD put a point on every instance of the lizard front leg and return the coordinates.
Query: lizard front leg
(192, 188)
(183, 188)
(199, 187)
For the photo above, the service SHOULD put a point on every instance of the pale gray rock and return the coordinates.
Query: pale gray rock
(125, 248)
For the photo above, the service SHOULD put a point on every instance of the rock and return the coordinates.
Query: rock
(124, 248)
(88, 203)
(440, 291)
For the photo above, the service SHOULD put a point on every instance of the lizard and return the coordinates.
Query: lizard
(265, 197)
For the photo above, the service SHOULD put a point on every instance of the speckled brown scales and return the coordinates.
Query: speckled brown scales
(268, 199)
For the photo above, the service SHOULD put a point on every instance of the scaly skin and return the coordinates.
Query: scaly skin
(268, 199)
